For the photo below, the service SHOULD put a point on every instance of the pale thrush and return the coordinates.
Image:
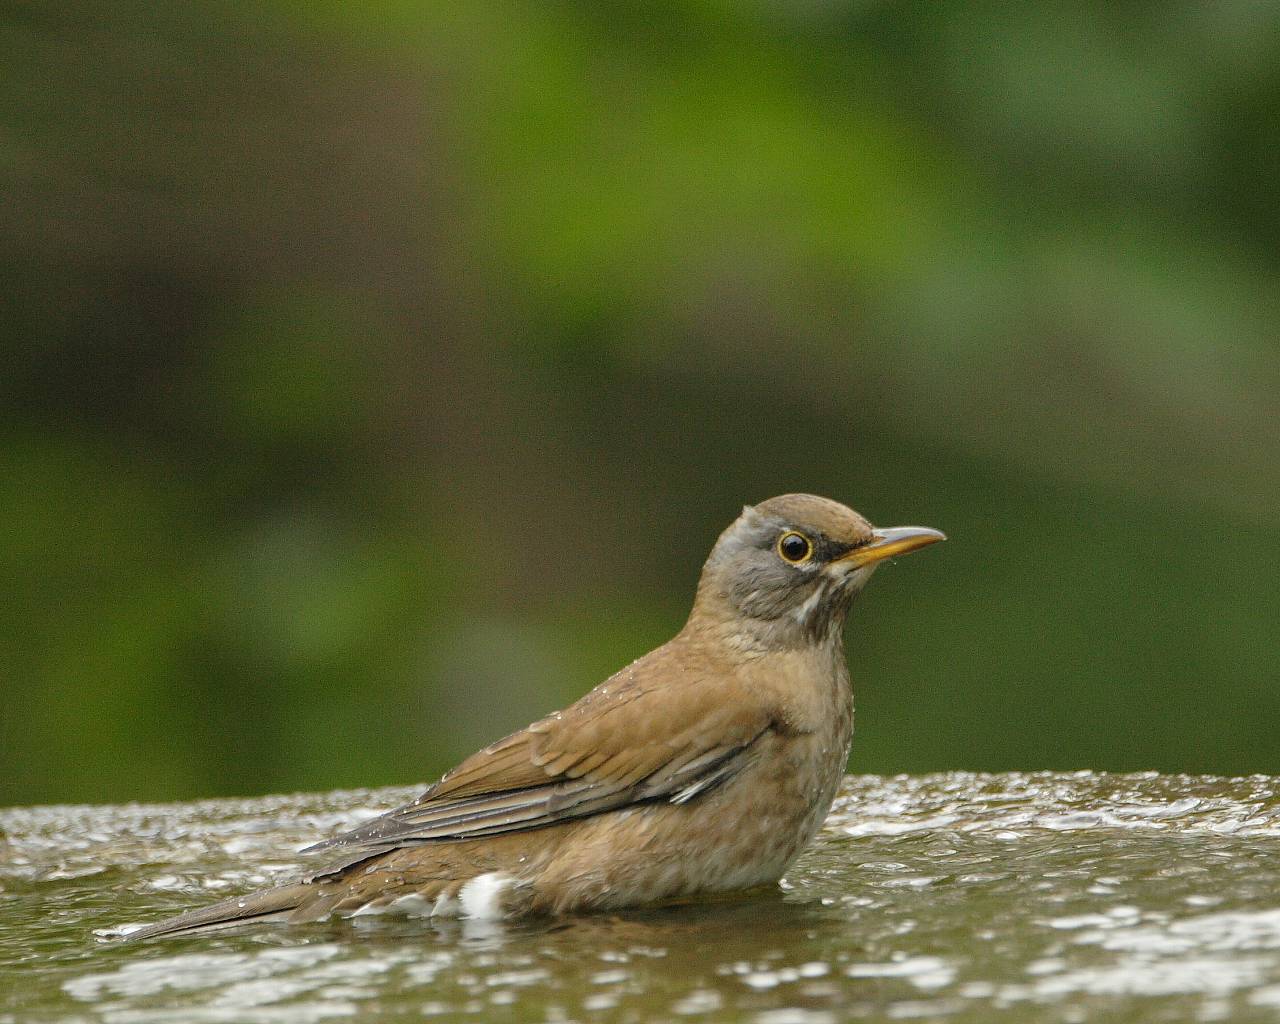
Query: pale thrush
(703, 767)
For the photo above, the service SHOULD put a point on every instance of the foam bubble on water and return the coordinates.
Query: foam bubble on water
(1235, 931)
(926, 972)
(697, 1002)
(795, 1015)
(193, 971)
(897, 826)
(1144, 977)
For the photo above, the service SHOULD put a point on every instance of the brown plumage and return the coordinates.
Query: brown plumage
(705, 766)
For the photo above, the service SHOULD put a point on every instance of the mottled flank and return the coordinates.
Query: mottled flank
(706, 766)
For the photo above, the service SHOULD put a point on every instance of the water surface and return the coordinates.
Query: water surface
(954, 897)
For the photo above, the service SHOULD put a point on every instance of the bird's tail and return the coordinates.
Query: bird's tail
(270, 904)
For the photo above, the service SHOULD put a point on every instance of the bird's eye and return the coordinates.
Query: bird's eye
(794, 547)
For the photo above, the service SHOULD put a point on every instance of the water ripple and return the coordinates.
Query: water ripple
(961, 896)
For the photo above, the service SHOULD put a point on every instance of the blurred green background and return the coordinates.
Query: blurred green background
(377, 376)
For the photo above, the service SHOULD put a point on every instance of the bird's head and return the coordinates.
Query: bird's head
(788, 567)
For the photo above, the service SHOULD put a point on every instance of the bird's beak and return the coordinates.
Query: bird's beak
(896, 540)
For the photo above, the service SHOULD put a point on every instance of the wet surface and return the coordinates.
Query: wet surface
(959, 897)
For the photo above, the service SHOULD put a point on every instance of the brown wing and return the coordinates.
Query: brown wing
(623, 743)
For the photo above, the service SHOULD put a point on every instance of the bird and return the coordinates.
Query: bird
(703, 768)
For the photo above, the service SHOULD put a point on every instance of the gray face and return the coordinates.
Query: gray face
(786, 573)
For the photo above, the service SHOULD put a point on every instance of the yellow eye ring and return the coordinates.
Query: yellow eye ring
(794, 547)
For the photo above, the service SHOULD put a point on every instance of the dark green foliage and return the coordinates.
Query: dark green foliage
(376, 378)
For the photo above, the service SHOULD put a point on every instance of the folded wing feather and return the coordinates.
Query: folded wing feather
(614, 748)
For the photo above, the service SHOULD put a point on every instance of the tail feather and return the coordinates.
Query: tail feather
(270, 904)
(357, 885)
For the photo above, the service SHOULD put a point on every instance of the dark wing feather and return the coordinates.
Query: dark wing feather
(621, 744)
